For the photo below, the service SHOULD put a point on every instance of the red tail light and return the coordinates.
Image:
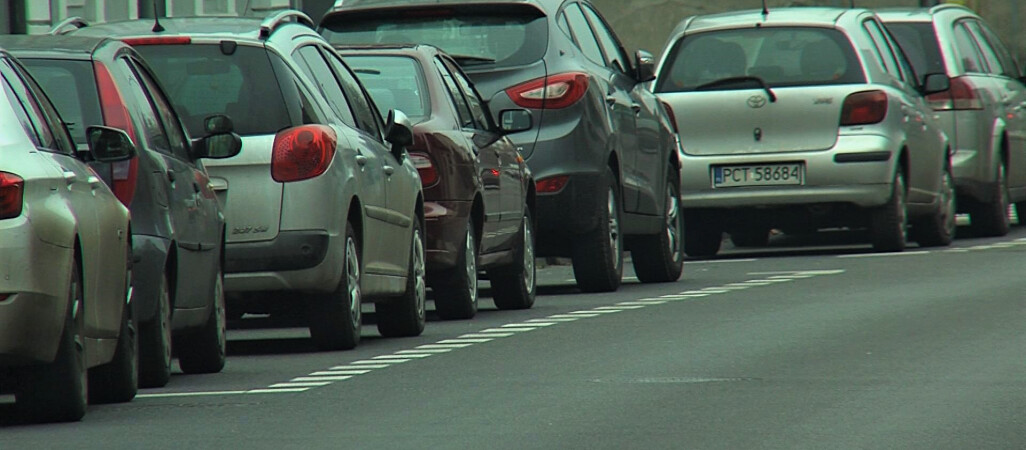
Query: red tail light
(426, 169)
(551, 185)
(115, 114)
(161, 40)
(12, 189)
(673, 117)
(864, 108)
(552, 92)
(963, 95)
(302, 152)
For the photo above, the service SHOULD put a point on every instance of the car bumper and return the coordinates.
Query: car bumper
(294, 260)
(446, 224)
(150, 255)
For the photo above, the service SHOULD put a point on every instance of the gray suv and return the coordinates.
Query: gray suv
(602, 151)
(984, 113)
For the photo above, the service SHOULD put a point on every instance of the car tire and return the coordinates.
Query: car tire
(938, 229)
(990, 219)
(118, 380)
(457, 291)
(752, 237)
(335, 318)
(59, 391)
(598, 254)
(155, 341)
(701, 240)
(205, 350)
(405, 316)
(514, 286)
(1020, 213)
(659, 258)
(888, 227)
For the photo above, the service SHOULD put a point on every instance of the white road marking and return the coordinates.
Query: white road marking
(340, 372)
(794, 277)
(874, 255)
(532, 323)
(485, 335)
(424, 350)
(464, 341)
(755, 283)
(957, 250)
(739, 287)
(362, 366)
(620, 308)
(366, 361)
(293, 384)
(715, 290)
(562, 319)
(278, 391)
(822, 272)
(188, 394)
(507, 330)
(647, 302)
(329, 379)
(592, 311)
(566, 316)
(449, 345)
(392, 358)
(718, 261)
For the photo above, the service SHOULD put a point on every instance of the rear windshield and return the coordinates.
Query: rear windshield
(71, 87)
(502, 40)
(394, 82)
(920, 45)
(203, 81)
(780, 56)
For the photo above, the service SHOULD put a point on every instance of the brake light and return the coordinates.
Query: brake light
(963, 95)
(426, 169)
(12, 189)
(672, 116)
(551, 185)
(4, 297)
(864, 108)
(552, 92)
(302, 152)
(115, 114)
(158, 40)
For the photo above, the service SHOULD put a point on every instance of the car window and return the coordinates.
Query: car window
(18, 105)
(474, 102)
(780, 56)
(299, 108)
(71, 87)
(394, 82)
(994, 64)
(563, 24)
(169, 120)
(969, 56)
(883, 48)
(313, 64)
(33, 111)
(610, 44)
(462, 109)
(154, 132)
(920, 45)
(582, 34)
(367, 116)
(1011, 68)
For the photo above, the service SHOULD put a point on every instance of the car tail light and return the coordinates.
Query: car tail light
(672, 116)
(12, 189)
(864, 108)
(963, 95)
(4, 297)
(551, 185)
(426, 169)
(552, 92)
(115, 114)
(302, 152)
(158, 40)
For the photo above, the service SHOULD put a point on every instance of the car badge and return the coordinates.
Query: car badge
(756, 101)
(757, 133)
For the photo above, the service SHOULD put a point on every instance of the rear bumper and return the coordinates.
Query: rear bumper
(293, 261)
(446, 224)
(30, 328)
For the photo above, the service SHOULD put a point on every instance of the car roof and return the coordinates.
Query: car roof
(805, 16)
(212, 26)
(546, 6)
(921, 14)
(52, 46)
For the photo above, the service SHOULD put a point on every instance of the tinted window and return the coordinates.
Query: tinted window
(34, 112)
(610, 45)
(18, 105)
(202, 81)
(969, 55)
(393, 82)
(582, 34)
(887, 59)
(994, 65)
(1007, 61)
(920, 44)
(72, 88)
(317, 69)
(520, 37)
(167, 116)
(366, 114)
(781, 56)
(473, 101)
(462, 109)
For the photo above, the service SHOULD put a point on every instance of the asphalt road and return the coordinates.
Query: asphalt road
(809, 343)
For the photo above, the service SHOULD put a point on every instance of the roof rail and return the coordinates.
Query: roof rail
(275, 20)
(62, 27)
(945, 6)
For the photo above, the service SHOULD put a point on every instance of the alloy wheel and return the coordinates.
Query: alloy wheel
(420, 285)
(353, 281)
(673, 224)
(614, 224)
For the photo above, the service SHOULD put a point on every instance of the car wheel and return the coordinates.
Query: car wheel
(1020, 213)
(155, 341)
(660, 258)
(701, 239)
(405, 316)
(204, 350)
(888, 227)
(598, 254)
(58, 391)
(456, 293)
(513, 286)
(118, 380)
(751, 237)
(991, 218)
(335, 318)
(938, 229)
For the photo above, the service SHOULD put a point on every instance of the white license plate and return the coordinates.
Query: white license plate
(759, 175)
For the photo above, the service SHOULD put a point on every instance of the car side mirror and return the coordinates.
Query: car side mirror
(398, 131)
(935, 82)
(515, 120)
(108, 144)
(218, 124)
(220, 140)
(645, 66)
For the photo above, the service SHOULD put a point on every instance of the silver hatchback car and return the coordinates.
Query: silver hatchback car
(802, 119)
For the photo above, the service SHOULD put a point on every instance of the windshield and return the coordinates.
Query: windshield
(203, 81)
(920, 45)
(781, 56)
(71, 87)
(393, 82)
(508, 40)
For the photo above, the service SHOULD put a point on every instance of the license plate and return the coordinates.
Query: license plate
(759, 175)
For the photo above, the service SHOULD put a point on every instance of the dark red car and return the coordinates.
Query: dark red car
(479, 194)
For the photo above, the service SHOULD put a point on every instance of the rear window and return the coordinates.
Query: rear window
(780, 56)
(71, 87)
(919, 43)
(202, 81)
(393, 82)
(502, 40)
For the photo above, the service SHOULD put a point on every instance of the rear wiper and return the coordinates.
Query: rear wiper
(731, 80)
(470, 60)
(368, 71)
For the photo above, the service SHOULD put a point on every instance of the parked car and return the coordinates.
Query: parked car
(602, 150)
(66, 330)
(983, 112)
(478, 191)
(322, 204)
(801, 119)
(177, 223)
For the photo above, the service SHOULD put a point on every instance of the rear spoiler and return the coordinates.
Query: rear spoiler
(340, 16)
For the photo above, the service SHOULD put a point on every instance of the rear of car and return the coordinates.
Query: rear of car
(982, 114)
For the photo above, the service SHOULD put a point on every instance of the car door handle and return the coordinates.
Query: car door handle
(389, 170)
(361, 160)
(171, 176)
(70, 177)
(611, 101)
(94, 182)
(636, 108)
(195, 187)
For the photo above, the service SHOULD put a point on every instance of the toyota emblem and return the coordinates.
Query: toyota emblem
(756, 101)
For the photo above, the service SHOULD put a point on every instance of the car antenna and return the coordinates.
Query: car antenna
(157, 27)
(765, 10)
(852, 2)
